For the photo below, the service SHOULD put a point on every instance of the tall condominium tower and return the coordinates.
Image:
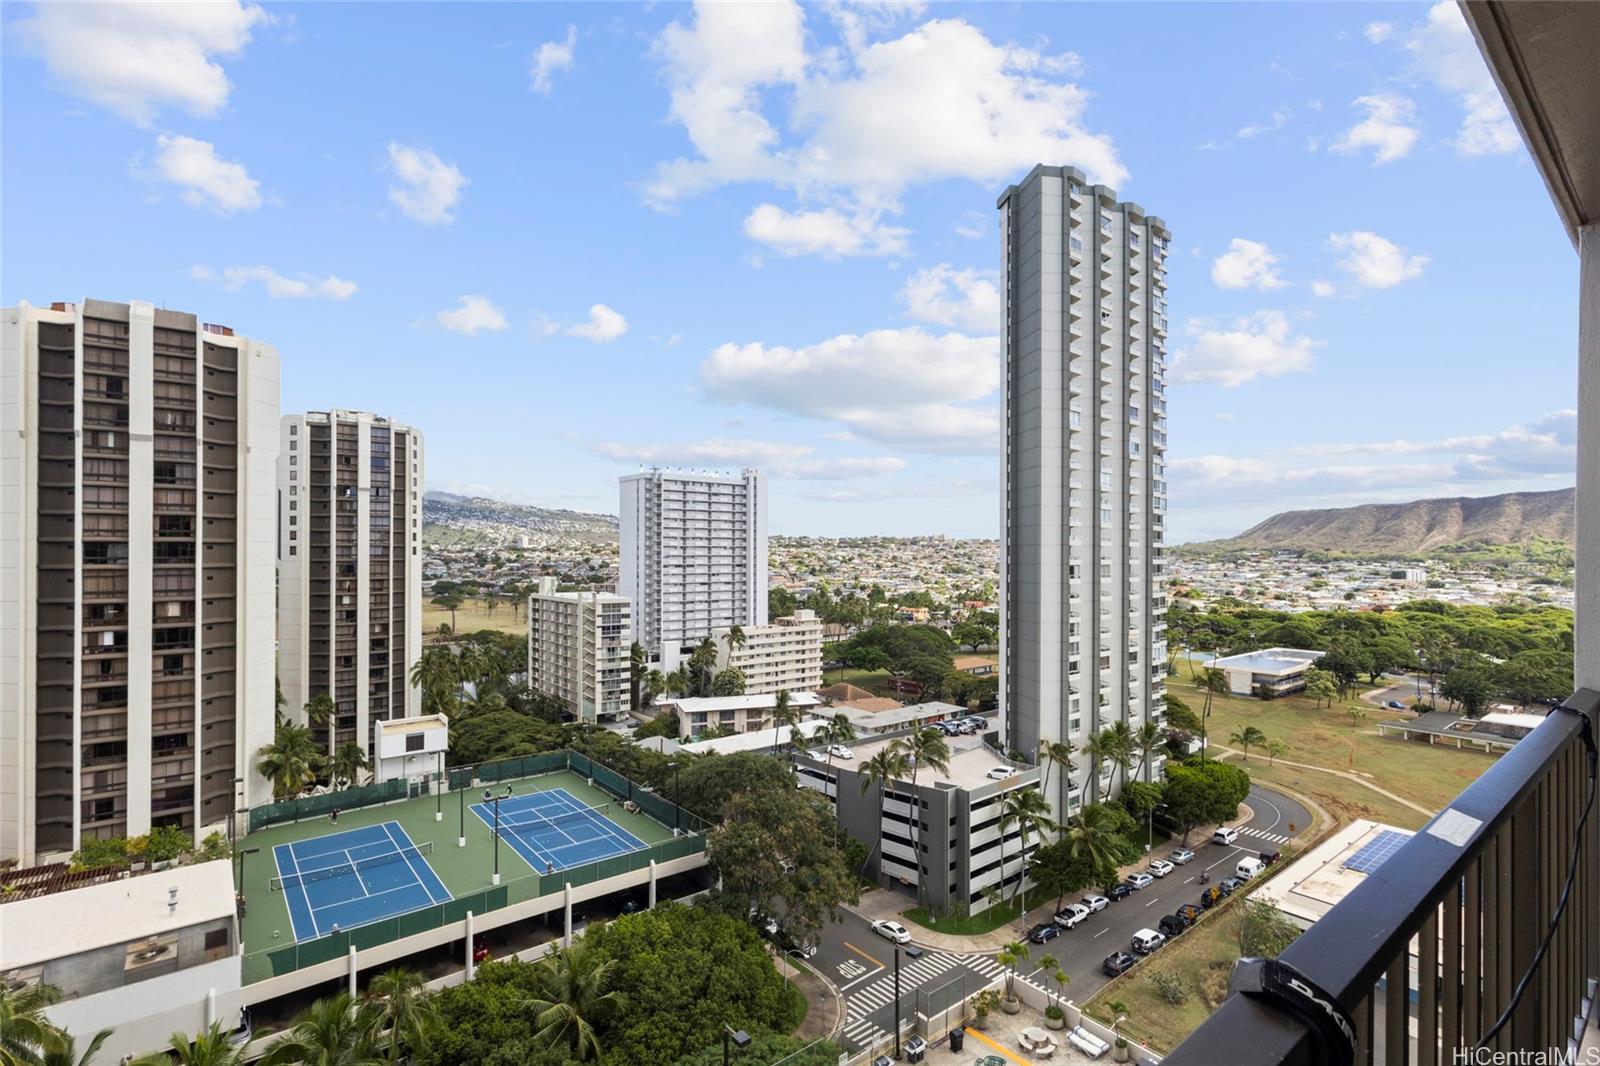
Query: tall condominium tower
(136, 526)
(1083, 434)
(694, 557)
(578, 644)
(349, 568)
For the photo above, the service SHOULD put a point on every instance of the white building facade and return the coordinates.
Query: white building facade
(786, 653)
(350, 568)
(1083, 435)
(137, 448)
(578, 645)
(693, 557)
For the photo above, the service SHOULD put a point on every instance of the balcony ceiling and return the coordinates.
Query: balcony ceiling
(1543, 55)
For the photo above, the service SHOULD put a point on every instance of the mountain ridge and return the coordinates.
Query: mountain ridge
(452, 519)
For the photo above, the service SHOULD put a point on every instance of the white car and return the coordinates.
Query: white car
(1225, 834)
(1161, 867)
(892, 931)
(839, 751)
(1182, 856)
(1071, 915)
(1000, 773)
(1095, 903)
(1140, 880)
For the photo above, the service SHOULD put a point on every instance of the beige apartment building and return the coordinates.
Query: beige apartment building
(578, 645)
(783, 654)
(136, 572)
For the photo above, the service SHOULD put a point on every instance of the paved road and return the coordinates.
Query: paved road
(861, 964)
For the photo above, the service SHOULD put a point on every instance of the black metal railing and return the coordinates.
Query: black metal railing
(1426, 954)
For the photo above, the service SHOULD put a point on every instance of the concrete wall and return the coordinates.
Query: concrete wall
(143, 1016)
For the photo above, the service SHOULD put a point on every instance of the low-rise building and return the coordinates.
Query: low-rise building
(964, 852)
(1267, 673)
(411, 748)
(738, 714)
(1314, 883)
(868, 723)
(777, 739)
(1493, 732)
(976, 665)
(784, 654)
(578, 644)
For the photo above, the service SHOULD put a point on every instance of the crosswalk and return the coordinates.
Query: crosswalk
(862, 1003)
(1275, 838)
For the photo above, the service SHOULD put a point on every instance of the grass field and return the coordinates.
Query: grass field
(471, 617)
(1426, 774)
(984, 922)
(874, 681)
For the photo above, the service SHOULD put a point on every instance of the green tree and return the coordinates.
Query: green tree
(1264, 931)
(330, 1032)
(1179, 715)
(1213, 682)
(1012, 956)
(1148, 739)
(837, 730)
(780, 603)
(401, 1009)
(575, 993)
(437, 675)
(292, 762)
(1141, 798)
(61, 1049)
(1123, 745)
(319, 712)
(1053, 753)
(702, 666)
(777, 845)
(214, 1047)
(729, 682)
(734, 638)
(782, 715)
(1093, 839)
(1276, 749)
(450, 601)
(1321, 685)
(1100, 747)
(1204, 792)
(349, 762)
(1246, 737)
(1028, 811)
(924, 747)
(24, 1029)
(638, 669)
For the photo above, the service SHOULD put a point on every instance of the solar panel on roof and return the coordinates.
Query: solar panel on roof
(1374, 853)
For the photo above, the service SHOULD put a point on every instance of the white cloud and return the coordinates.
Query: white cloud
(904, 386)
(783, 459)
(1443, 52)
(971, 232)
(1378, 32)
(1280, 118)
(604, 325)
(1546, 446)
(1259, 345)
(854, 129)
(1323, 289)
(828, 232)
(429, 188)
(966, 299)
(1374, 261)
(235, 278)
(207, 180)
(137, 58)
(1246, 265)
(1389, 129)
(550, 58)
(473, 313)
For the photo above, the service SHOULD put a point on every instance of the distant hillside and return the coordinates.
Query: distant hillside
(471, 521)
(1420, 526)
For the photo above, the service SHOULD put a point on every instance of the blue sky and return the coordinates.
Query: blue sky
(565, 241)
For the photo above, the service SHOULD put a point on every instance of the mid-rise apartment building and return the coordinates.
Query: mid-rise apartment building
(578, 650)
(137, 448)
(1084, 436)
(349, 568)
(786, 653)
(694, 557)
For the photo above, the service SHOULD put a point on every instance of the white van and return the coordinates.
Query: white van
(1248, 868)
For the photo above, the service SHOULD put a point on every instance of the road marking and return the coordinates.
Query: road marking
(870, 973)
(1186, 880)
(1102, 932)
(1152, 903)
(864, 955)
(979, 1036)
(1275, 811)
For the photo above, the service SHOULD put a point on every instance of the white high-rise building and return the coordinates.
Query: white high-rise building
(137, 448)
(578, 645)
(349, 569)
(1083, 445)
(694, 557)
(784, 654)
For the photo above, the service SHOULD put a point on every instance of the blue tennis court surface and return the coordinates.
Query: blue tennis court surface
(343, 880)
(552, 831)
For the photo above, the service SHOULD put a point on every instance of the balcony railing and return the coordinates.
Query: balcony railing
(1428, 952)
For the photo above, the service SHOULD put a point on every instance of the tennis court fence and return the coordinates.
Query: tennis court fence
(261, 965)
(460, 777)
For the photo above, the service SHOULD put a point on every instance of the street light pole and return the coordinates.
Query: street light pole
(730, 1037)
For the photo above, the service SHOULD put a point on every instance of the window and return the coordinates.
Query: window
(414, 741)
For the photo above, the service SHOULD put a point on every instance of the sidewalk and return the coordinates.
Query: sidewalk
(825, 1009)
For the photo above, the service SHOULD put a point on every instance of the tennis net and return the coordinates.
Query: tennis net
(327, 873)
(556, 819)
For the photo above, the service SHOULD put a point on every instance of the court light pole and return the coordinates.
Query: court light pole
(490, 797)
(677, 817)
(239, 898)
(461, 840)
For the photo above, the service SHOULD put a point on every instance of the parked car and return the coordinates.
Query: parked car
(1043, 932)
(1270, 857)
(1071, 915)
(1147, 940)
(1190, 911)
(892, 931)
(790, 944)
(1094, 903)
(839, 751)
(1225, 834)
(1000, 773)
(1118, 962)
(1172, 925)
(1394, 705)
(1248, 868)
(1211, 897)
(1230, 885)
(1119, 891)
(1161, 868)
(1140, 880)
(1181, 857)
(978, 721)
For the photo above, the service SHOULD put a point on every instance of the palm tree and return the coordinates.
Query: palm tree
(1057, 753)
(60, 1049)
(1099, 747)
(924, 747)
(575, 994)
(1247, 736)
(437, 674)
(214, 1047)
(1012, 956)
(1213, 682)
(1051, 967)
(1148, 739)
(1093, 838)
(703, 666)
(292, 761)
(677, 683)
(782, 715)
(837, 730)
(734, 638)
(1123, 747)
(888, 763)
(1275, 749)
(23, 1027)
(330, 1032)
(319, 712)
(638, 663)
(401, 1007)
(1029, 811)
(349, 759)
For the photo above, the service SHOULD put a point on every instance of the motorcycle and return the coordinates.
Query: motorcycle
(1204, 878)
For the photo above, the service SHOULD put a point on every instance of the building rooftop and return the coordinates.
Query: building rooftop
(1268, 660)
(970, 760)
(758, 701)
(114, 912)
(756, 740)
(897, 716)
(420, 724)
(1315, 882)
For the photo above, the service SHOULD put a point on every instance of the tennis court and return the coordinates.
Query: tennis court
(553, 831)
(348, 879)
